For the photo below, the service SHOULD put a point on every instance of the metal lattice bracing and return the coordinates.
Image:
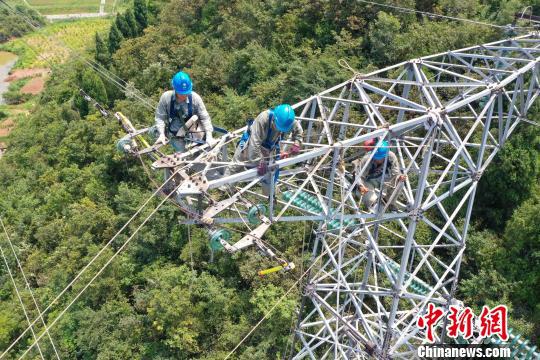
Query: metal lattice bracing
(374, 271)
(447, 116)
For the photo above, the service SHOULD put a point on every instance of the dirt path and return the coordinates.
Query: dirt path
(7, 60)
(34, 86)
(75, 16)
(24, 73)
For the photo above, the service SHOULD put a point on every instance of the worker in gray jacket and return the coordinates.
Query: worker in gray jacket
(181, 115)
(369, 182)
(262, 139)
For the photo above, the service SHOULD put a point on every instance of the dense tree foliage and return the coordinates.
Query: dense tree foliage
(115, 38)
(510, 180)
(102, 52)
(11, 24)
(65, 191)
(141, 14)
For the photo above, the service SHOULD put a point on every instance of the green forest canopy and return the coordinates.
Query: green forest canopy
(65, 191)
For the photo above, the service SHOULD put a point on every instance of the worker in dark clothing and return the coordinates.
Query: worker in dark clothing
(369, 182)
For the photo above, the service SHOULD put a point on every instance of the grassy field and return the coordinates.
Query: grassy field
(47, 7)
(51, 7)
(49, 42)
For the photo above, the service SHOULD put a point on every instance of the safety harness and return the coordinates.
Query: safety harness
(267, 143)
(175, 126)
(374, 174)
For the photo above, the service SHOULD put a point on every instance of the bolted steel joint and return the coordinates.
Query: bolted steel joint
(309, 289)
(416, 214)
(476, 175)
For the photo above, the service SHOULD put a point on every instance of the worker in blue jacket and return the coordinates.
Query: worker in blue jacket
(262, 139)
(181, 115)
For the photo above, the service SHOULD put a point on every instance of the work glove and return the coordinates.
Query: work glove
(262, 169)
(295, 150)
(209, 138)
(162, 139)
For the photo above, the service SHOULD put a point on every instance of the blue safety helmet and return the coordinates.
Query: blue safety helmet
(382, 151)
(284, 117)
(181, 82)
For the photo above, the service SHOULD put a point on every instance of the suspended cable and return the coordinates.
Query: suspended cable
(191, 262)
(29, 288)
(96, 256)
(30, 325)
(271, 310)
(409, 10)
(292, 327)
(101, 269)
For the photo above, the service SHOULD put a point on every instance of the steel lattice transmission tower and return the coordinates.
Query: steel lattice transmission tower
(373, 273)
(447, 116)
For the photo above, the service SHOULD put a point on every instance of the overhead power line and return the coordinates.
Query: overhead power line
(27, 283)
(429, 14)
(30, 324)
(96, 256)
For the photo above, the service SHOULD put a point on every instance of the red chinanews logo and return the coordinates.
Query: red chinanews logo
(461, 320)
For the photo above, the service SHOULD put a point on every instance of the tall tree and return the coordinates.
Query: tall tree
(131, 22)
(102, 53)
(381, 35)
(141, 14)
(522, 257)
(92, 84)
(115, 38)
(123, 26)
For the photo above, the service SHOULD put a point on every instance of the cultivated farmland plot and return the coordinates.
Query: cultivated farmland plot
(52, 7)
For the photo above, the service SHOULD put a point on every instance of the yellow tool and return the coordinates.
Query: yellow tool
(283, 267)
(128, 126)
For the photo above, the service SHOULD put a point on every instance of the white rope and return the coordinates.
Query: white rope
(29, 288)
(21, 301)
(290, 338)
(191, 262)
(344, 64)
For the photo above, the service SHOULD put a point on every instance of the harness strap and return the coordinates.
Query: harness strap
(173, 113)
(267, 143)
(375, 176)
